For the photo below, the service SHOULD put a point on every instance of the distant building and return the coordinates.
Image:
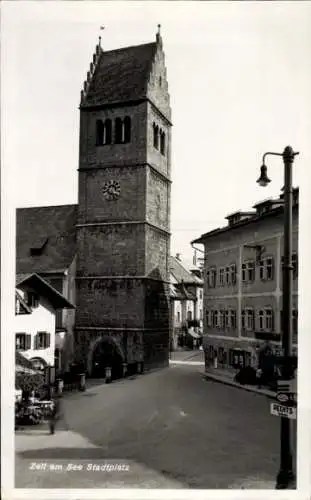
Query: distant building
(186, 294)
(243, 284)
(36, 303)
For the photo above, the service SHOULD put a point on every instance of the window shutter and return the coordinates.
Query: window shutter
(272, 320)
(28, 342)
(47, 340)
(36, 341)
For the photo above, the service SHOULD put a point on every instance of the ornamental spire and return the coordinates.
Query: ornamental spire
(93, 65)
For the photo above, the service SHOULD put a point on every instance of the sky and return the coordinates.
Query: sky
(239, 78)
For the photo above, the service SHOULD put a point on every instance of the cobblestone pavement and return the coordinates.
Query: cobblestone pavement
(170, 428)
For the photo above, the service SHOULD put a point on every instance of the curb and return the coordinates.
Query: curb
(249, 388)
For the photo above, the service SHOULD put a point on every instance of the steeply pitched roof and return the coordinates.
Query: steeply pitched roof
(181, 274)
(42, 287)
(119, 75)
(56, 226)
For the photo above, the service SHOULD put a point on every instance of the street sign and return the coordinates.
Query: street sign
(283, 411)
(282, 397)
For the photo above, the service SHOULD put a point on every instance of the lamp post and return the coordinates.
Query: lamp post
(285, 475)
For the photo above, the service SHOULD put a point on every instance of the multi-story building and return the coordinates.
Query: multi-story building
(36, 304)
(243, 284)
(186, 296)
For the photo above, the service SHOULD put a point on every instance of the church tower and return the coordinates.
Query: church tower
(123, 227)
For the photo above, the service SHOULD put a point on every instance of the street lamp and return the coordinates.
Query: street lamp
(286, 474)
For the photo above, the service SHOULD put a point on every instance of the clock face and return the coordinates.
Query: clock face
(111, 190)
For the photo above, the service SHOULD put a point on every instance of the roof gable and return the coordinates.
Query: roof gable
(120, 75)
(53, 230)
(34, 282)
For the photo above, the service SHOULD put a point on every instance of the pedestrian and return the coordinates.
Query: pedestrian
(55, 413)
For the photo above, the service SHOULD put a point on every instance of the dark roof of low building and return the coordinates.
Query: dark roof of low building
(120, 75)
(181, 274)
(34, 282)
(277, 207)
(51, 231)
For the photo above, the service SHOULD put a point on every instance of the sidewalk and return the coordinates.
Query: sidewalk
(227, 377)
(68, 460)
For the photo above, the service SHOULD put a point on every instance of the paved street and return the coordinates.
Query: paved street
(172, 428)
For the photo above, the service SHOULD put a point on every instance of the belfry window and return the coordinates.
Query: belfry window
(99, 133)
(118, 131)
(122, 130)
(107, 133)
(155, 136)
(127, 129)
(162, 143)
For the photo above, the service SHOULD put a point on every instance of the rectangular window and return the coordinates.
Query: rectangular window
(249, 319)
(42, 340)
(201, 314)
(243, 320)
(178, 317)
(266, 320)
(261, 320)
(222, 319)
(233, 274)
(266, 269)
(221, 276)
(243, 272)
(227, 274)
(209, 318)
(269, 319)
(227, 319)
(211, 278)
(201, 294)
(22, 342)
(248, 272)
(189, 315)
(232, 318)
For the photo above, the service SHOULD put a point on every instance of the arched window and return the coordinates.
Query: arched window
(107, 135)
(118, 138)
(99, 133)
(155, 136)
(127, 129)
(162, 143)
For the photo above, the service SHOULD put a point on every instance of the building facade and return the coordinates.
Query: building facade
(36, 305)
(243, 284)
(110, 253)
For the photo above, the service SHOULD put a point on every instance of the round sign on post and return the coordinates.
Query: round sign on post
(282, 397)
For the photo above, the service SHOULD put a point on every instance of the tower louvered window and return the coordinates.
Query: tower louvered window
(107, 138)
(155, 136)
(127, 129)
(162, 143)
(99, 133)
(118, 131)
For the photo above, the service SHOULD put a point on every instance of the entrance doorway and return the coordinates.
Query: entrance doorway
(106, 354)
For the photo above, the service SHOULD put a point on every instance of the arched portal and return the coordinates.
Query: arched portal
(105, 351)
